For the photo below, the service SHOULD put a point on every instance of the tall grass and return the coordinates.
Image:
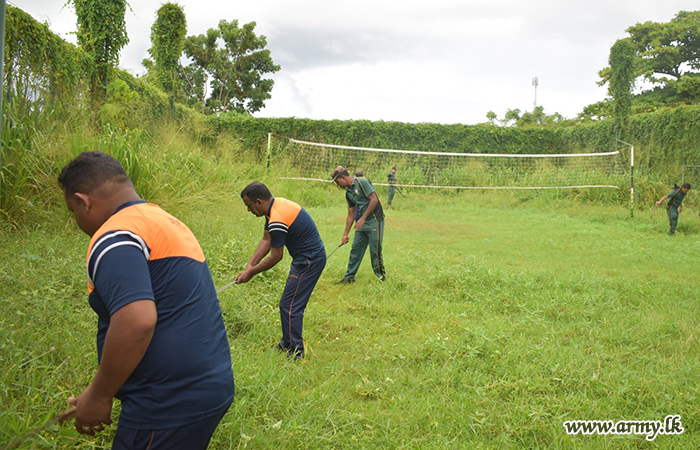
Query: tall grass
(504, 314)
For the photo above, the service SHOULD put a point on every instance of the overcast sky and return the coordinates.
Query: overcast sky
(443, 61)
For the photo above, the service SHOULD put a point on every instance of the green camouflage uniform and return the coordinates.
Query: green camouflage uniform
(675, 198)
(372, 231)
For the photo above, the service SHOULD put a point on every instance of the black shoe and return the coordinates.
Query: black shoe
(382, 279)
(295, 355)
(345, 281)
(281, 347)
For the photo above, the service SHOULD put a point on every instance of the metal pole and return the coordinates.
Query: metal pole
(683, 173)
(2, 69)
(632, 182)
(631, 174)
(535, 82)
(269, 138)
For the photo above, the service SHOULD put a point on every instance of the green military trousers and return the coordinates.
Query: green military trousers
(672, 220)
(371, 234)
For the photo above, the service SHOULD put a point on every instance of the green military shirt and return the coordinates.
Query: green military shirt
(357, 196)
(675, 198)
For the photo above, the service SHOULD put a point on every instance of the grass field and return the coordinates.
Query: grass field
(502, 317)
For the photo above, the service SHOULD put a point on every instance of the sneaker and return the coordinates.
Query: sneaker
(345, 281)
(382, 279)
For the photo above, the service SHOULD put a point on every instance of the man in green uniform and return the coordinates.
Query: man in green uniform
(369, 228)
(675, 198)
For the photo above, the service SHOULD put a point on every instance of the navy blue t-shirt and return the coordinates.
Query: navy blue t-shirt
(290, 225)
(144, 253)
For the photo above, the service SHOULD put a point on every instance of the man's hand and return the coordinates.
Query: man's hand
(345, 239)
(244, 276)
(359, 223)
(128, 337)
(91, 414)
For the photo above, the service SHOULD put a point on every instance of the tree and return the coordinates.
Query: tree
(512, 115)
(667, 48)
(536, 117)
(234, 71)
(167, 42)
(668, 56)
(102, 34)
(528, 119)
(492, 117)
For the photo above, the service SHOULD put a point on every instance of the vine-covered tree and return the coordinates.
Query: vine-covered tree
(233, 70)
(167, 43)
(102, 34)
(622, 77)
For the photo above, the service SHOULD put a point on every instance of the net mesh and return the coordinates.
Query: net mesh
(303, 160)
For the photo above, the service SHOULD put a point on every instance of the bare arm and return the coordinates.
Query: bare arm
(255, 265)
(128, 337)
(262, 250)
(662, 200)
(348, 225)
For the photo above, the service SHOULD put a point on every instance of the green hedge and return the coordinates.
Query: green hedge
(391, 135)
(663, 139)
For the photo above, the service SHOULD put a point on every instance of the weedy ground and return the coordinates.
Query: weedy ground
(503, 316)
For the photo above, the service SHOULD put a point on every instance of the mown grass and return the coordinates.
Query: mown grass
(503, 316)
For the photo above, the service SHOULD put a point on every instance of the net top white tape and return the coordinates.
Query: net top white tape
(488, 155)
(466, 187)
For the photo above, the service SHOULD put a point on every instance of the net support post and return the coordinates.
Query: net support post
(2, 69)
(269, 151)
(632, 182)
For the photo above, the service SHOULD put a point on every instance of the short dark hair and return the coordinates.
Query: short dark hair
(686, 185)
(89, 172)
(256, 191)
(339, 172)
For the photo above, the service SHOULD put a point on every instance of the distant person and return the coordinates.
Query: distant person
(369, 228)
(286, 224)
(674, 208)
(392, 186)
(161, 342)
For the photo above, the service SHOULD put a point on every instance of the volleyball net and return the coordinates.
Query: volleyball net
(314, 161)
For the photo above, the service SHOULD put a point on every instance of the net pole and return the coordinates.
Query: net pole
(269, 151)
(683, 173)
(632, 182)
(2, 59)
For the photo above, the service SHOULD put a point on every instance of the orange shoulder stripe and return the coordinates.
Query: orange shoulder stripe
(284, 211)
(164, 234)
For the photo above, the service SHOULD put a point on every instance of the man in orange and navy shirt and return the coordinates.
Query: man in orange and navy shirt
(286, 224)
(161, 341)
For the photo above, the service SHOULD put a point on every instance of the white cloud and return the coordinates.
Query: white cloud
(448, 61)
